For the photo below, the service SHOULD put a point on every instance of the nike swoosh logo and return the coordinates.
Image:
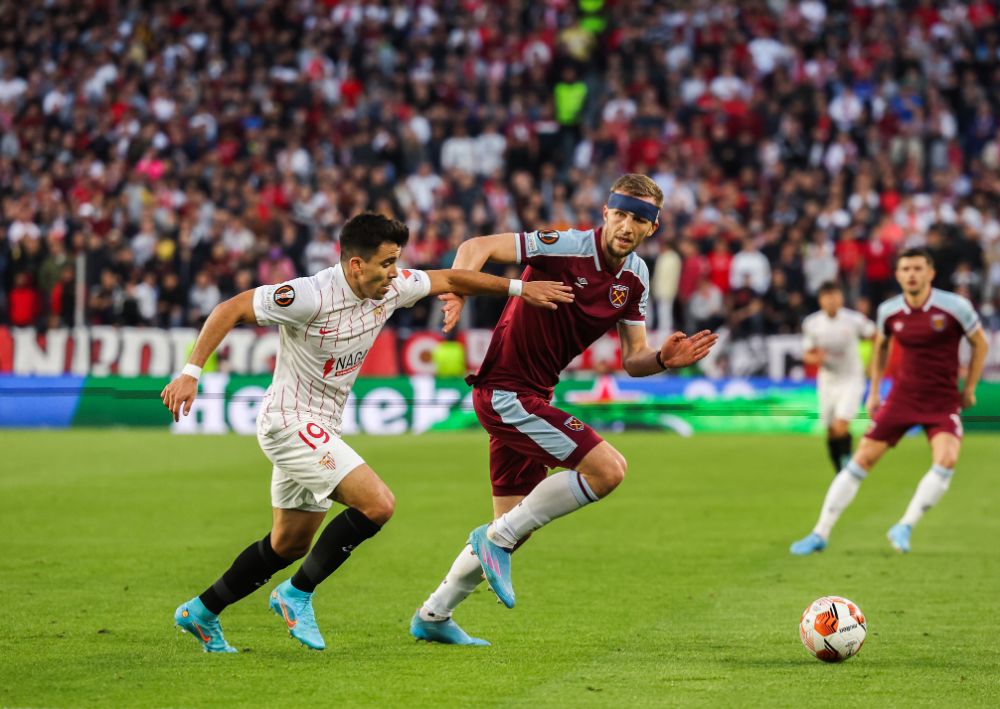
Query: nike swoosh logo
(325, 332)
(201, 634)
(284, 612)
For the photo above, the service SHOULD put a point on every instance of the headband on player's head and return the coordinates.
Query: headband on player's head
(632, 205)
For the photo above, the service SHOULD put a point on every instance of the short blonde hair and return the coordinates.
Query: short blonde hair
(636, 185)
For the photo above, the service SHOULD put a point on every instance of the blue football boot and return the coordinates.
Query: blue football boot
(295, 608)
(495, 561)
(899, 537)
(441, 631)
(194, 618)
(808, 545)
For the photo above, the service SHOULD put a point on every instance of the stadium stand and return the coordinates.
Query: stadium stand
(185, 151)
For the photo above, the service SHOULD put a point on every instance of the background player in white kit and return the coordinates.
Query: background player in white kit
(328, 324)
(830, 339)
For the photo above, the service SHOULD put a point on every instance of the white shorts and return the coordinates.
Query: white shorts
(309, 462)
(839, 399)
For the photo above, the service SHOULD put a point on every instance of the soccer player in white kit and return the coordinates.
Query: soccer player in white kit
(328, 323)
(830, 339)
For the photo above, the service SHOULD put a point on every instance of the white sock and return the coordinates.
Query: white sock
(842, 490)
(929, 492)
(462, 579)
(555, 496)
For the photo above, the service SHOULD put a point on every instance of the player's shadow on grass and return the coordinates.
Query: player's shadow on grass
(886, 553)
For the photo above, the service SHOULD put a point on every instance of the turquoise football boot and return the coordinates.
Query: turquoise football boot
(495, 561)
(808, 545)
(194, 618)
(899, 537)
(295, 608)
(446, 632)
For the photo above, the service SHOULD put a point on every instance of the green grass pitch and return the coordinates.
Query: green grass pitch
(678, 590)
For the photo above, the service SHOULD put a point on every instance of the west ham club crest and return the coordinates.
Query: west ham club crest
(573, 424)
(618, 295)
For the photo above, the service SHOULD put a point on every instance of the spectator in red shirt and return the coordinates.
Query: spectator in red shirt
(25, 302)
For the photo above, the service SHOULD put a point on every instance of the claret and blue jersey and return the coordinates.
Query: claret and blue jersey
(927, 374)
(531, 346)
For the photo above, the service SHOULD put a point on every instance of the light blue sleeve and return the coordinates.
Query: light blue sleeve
(959, 308)
(886, 311)
(534, 246)
(635, 312)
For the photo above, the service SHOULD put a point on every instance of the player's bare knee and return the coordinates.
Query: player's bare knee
(865, 461)
(609, 476)
(289, 546)
(380, 508)
(947, 459)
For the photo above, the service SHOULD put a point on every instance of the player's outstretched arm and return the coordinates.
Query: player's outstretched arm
(543, 294)
(880, 357)
(679, 350)
(179, 394)
(472, 255)
(980, 348)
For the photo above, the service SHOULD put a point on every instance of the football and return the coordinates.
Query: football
(833, 628)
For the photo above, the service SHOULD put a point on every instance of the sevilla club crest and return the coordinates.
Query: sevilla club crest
(618, 295)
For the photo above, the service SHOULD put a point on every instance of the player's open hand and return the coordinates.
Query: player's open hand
(679, 350)
(968, 399)
(545, 294)
(179, 395)
(873, 402)
(452, 310)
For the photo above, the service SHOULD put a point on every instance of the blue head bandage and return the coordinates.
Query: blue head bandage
(632, 205)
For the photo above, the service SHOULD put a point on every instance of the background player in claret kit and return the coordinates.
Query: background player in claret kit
(929, 325)
(328, 322)
(830, 340)
(513, 388)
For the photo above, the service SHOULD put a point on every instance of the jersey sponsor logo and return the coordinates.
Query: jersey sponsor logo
(618, 294)
(344, 364)
(284, 296)
(938, 322)
(573, 424)
(548, 236)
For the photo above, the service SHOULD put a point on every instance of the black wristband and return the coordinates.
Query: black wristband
(659, 361)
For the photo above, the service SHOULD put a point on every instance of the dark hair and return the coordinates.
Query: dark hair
(828, 287)
(363, 234)
(915, 252)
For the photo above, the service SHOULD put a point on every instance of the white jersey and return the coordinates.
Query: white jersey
(324, 335)
(838, 337)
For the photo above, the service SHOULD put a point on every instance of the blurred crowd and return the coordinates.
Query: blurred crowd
(172, 154)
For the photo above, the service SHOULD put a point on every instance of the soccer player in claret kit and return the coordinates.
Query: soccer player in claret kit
(328, 322)
(830, 339)
(513, 388)
(928, 324)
